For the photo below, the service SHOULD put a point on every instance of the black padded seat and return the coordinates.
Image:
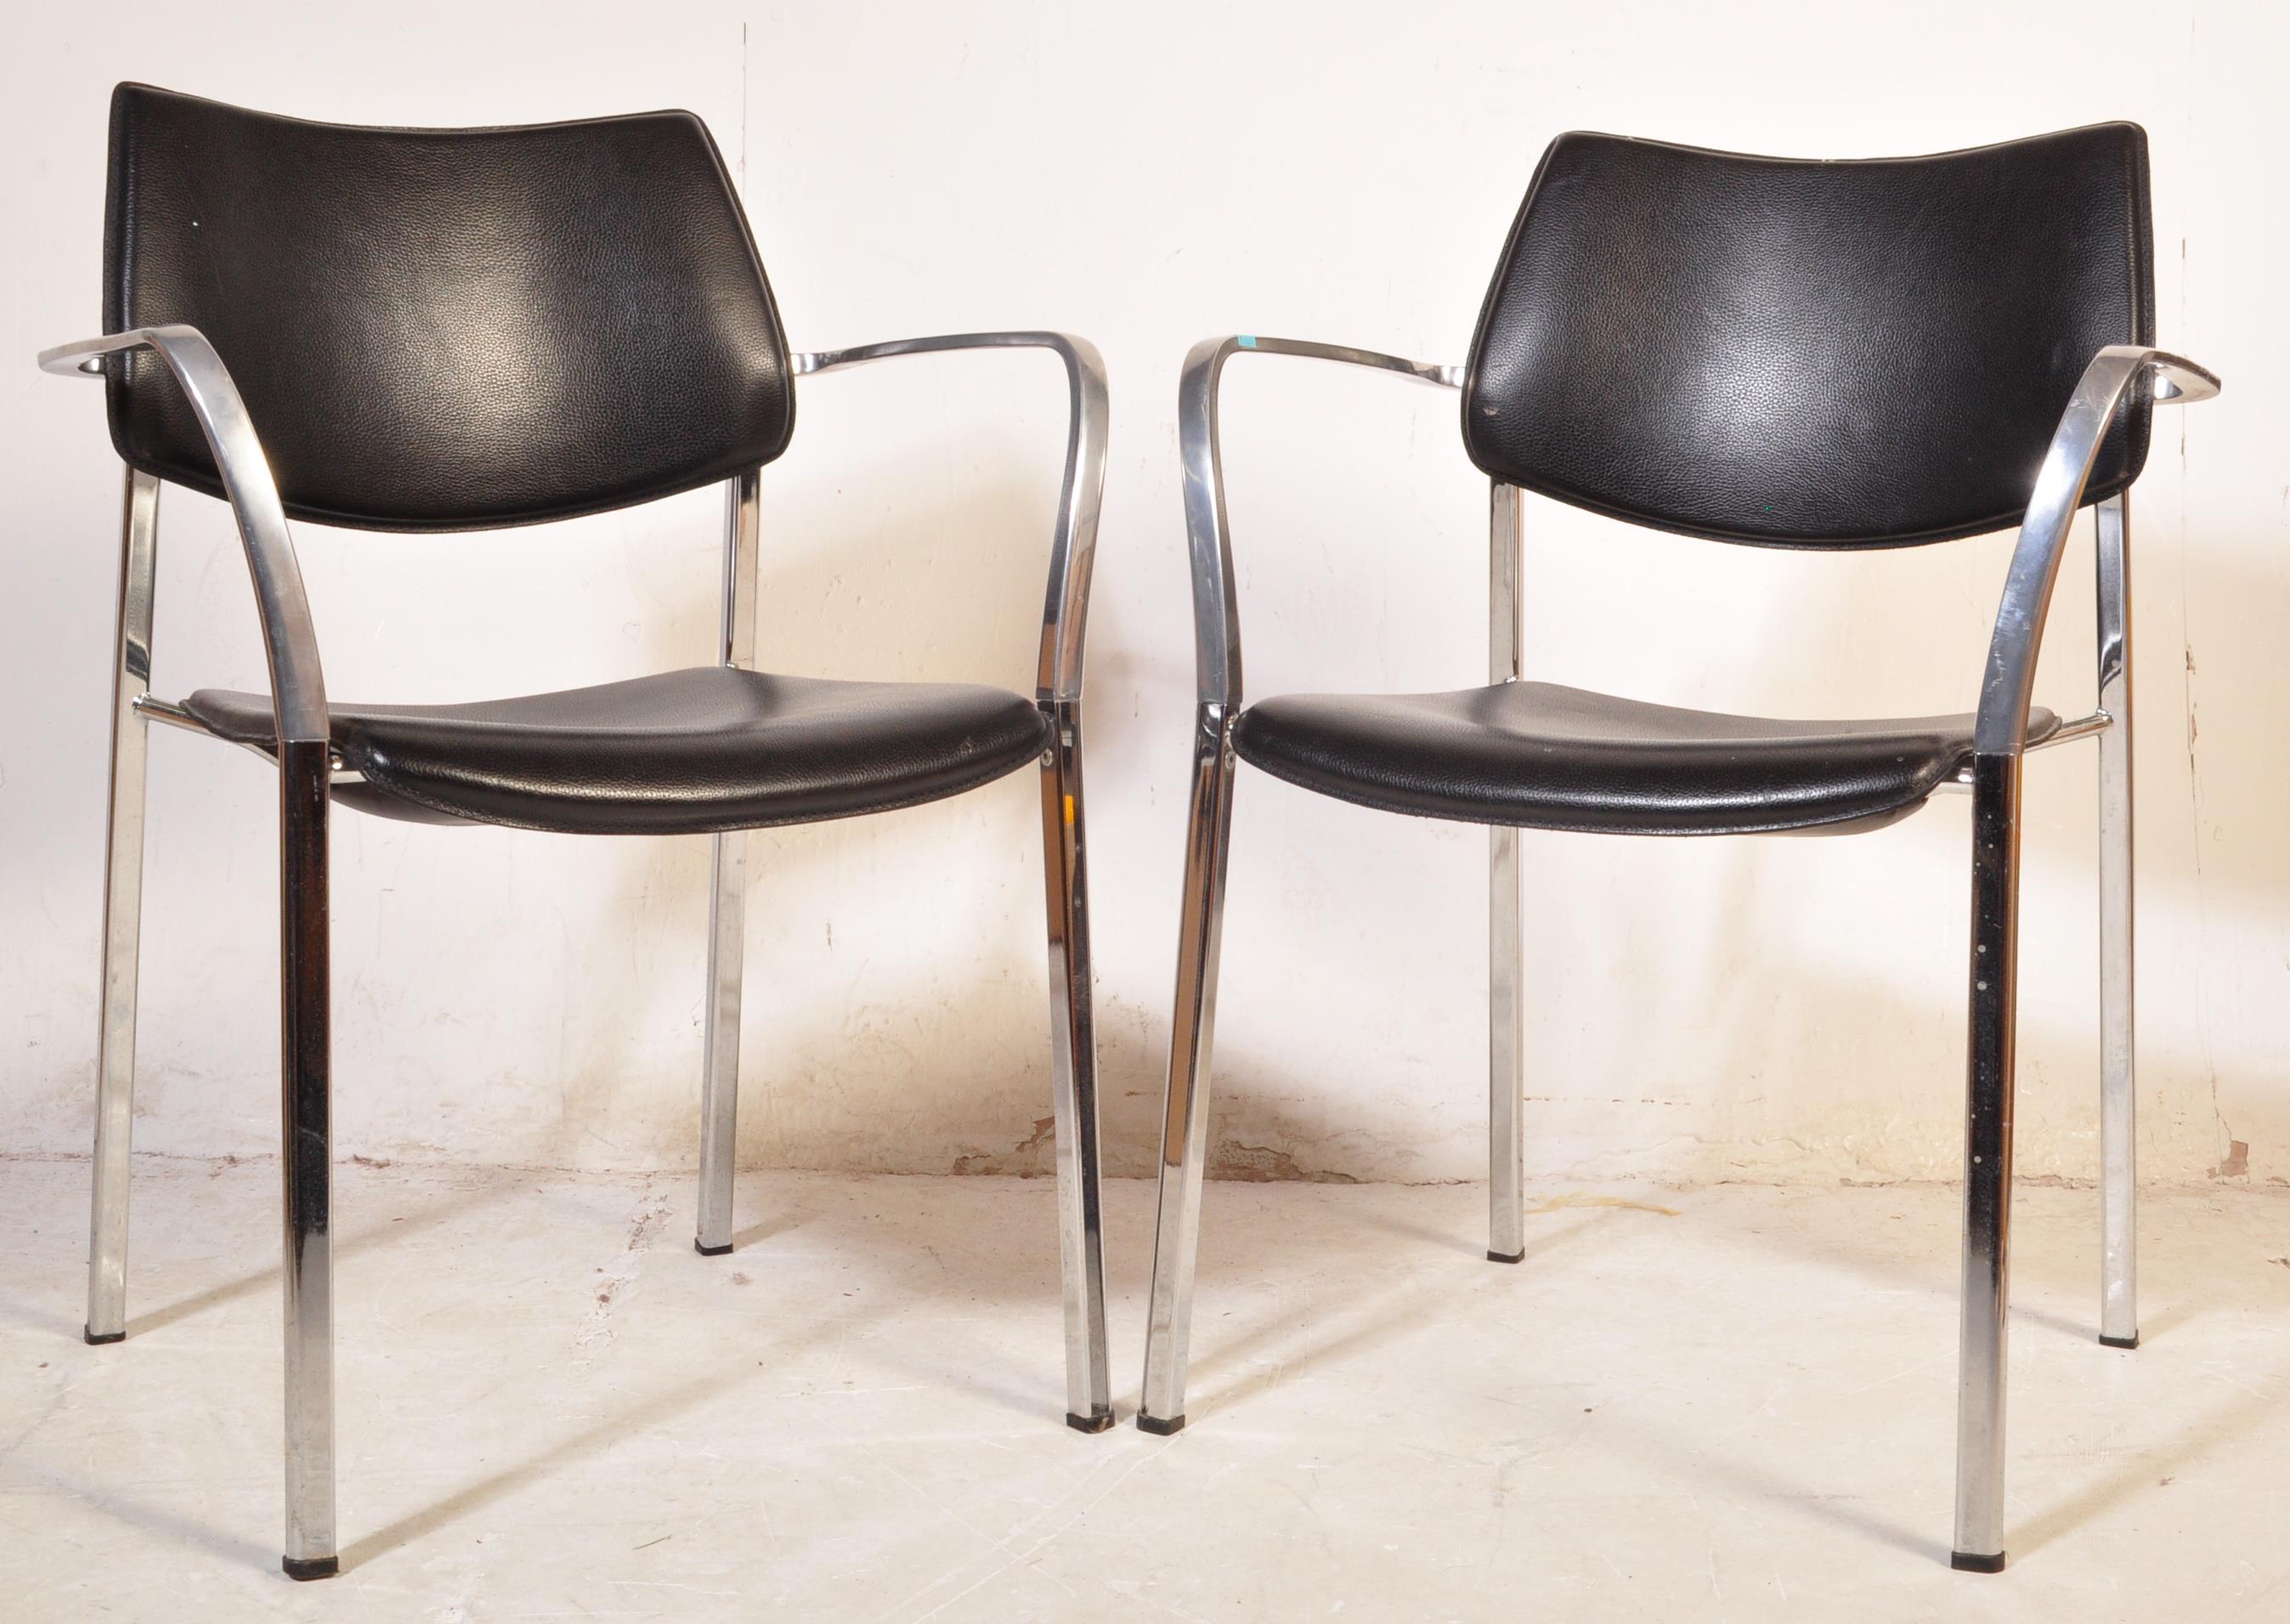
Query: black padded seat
(1538, 755)
(683, 753)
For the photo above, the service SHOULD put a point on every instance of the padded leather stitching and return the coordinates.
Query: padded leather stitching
(1539, 755)
(378, 774)
(1856, 822)
(684, 752)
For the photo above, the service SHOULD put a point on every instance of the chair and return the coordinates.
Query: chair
(1778, 354)
(445, 329)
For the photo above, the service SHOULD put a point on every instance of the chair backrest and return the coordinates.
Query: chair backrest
(443, 329)
(1805, 354)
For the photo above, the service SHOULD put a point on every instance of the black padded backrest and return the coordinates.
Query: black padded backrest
(443, 329)
(1801, 354)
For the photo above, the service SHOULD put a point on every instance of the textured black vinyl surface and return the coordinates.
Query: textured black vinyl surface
(1537, 755)
(443, 329)
(1800, 354)
(686, 752)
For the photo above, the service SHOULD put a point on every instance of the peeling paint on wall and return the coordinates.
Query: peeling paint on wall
(1261, 1164)
(1031, 1157)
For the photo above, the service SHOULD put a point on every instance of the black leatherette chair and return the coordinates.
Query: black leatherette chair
(1776, 353)
(448, 330)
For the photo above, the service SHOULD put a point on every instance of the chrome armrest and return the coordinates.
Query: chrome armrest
(1216, 611)
(1065, 614)
(2001, 726)
(298, 688)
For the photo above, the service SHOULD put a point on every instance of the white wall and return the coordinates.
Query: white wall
(1148, 175)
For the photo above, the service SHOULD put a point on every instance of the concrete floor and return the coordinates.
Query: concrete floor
(1728, 1404)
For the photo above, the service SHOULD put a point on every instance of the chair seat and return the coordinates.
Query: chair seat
(686, 752)
(1537, 755)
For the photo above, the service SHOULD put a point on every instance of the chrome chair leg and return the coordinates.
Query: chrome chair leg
(306, 1159)
(727, 893)
(1506, 1078)
(1073, 1069)
(123, 915)
(1988, 1165)
(2118, 1323)
(719, 1088)
(1185, 1121)
(1506, 1060)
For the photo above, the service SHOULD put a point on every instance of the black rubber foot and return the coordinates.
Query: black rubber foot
(2119, 1341)
(315, 1567)
(1101, 1422)
(94, 1340)
(1158, 1428)
(1962, 1564)
(712, 1252)
(1507, 1257)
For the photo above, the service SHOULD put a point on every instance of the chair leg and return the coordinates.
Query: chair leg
(2118, 1323)
(122, 916)
(1988, 1165)
(1506, 1079)
(1185, 1121)
(1506, 1062)
(719, 1086)
(727, 901)
(307, 1160)
(1073, 1072)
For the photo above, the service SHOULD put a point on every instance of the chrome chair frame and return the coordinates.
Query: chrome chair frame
(1993, 778)
(309, 772)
